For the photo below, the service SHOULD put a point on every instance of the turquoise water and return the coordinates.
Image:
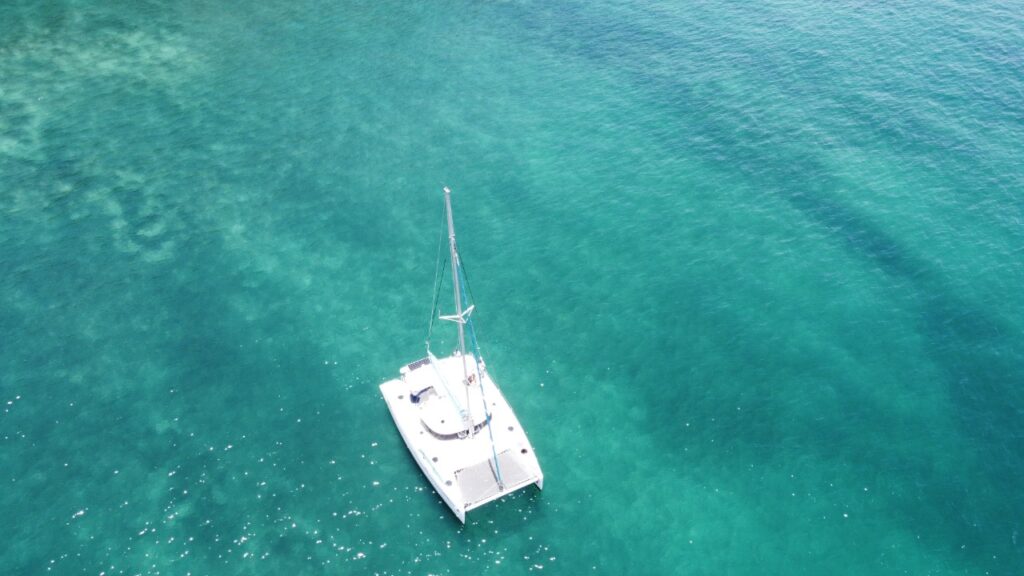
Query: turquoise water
(749, 273)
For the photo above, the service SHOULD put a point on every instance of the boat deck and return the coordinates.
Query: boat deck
(463, 470)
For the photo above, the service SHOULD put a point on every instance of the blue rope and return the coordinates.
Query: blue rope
(444, 382)
(479, 377)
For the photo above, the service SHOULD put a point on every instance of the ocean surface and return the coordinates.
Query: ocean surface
(751, 274)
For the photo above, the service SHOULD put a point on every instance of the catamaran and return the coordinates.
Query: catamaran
(454, 419)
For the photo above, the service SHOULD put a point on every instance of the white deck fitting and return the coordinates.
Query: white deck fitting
(462, 470)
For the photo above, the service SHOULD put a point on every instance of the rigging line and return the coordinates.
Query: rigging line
(483, 400)
(438, 270)
(444, 382)
(434, 309)
(487, 413)
(465, 282)
(479, 376)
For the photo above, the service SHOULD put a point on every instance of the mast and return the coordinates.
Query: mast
(460, 320)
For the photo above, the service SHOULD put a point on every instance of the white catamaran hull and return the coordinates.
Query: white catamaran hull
(467, 470)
